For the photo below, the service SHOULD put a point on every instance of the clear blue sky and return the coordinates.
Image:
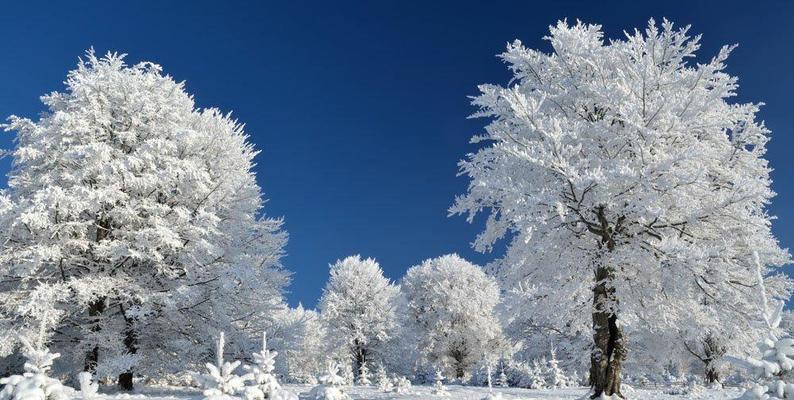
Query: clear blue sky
(360, 108)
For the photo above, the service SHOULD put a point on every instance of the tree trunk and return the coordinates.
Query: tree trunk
(609, 349)
(359, 358)
(712, 375)
(95, 309)
(131, 344)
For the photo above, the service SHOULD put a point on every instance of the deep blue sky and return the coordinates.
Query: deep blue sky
(360, 108)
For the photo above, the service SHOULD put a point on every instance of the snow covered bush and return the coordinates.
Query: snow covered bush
(622, 175)
(364, 376)
(220, 381)
(452, 304)
(34, 383)
(555, 377)
(149, 209)
(357, 307)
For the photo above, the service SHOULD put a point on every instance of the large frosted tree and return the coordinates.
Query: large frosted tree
(358, 308)
(147, 210)
(451, 307)
(633, 191)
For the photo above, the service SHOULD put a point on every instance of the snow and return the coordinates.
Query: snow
(424, 392)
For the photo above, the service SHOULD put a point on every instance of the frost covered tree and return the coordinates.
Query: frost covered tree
(626, 182)
(451, 304)
(299, 335)
(148, 209)
(357, 307)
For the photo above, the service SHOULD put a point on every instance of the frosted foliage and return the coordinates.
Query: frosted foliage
(34, 383)
(147, 208)
(438, 387)
(382, 379)
(452, 303)
(624, 155)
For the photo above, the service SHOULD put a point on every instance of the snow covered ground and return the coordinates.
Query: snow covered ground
(426, 392)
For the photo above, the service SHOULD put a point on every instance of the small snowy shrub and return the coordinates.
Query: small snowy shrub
(382, 379)
(88, 388)
(34, 383)
(330, 387)
(220, 382)
(438, 388)
(401, 385)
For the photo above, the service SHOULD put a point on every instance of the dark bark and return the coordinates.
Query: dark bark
(359, 358)
(131, 344)
(609, 349)
(609, 344)
(95, 309)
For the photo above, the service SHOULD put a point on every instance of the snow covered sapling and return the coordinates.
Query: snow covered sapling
(220, 382)
(555, 376)
(330, 387)
(438, 388)
(261, 373)
(401, 385)
(364, 375)
(88, 388)
(34, 383)
(615, 168)
(776, 348)
(537, 378)
(382, 378)
(502, 380)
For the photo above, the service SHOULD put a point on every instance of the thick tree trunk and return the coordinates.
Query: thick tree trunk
(131, 344)
(609, 349)
(359, 358)
(96, 308)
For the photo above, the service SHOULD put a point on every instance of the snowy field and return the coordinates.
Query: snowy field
(426, 392)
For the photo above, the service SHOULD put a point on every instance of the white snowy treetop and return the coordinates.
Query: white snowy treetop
(452, 304)
(128, 193)
(624, 143)
(357, 304)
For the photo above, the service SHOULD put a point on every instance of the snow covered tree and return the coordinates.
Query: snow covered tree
(452, 307)
(148, 209)
(537, 377)
(628, 185)
(357, 307)
(299, 335)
